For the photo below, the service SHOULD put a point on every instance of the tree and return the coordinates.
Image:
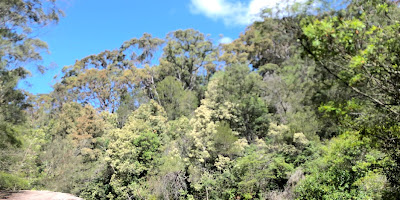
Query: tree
(358, 52)
(73, 149)
(348, 168)
(267, 42)
(242, 88)
(17, 47)
(134, 150)
(18, 18)
(175, 99)
(232, 97)
(98, 79)
(103, 79)
(188, 56)
(347, 49)
(12, 104)
(127, 105)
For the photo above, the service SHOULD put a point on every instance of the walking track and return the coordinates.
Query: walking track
(36, 195)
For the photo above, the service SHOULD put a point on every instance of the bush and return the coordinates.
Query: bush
(12, 182)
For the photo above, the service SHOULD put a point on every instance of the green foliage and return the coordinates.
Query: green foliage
(224, 139)
(12, 104)
(175, 99)
(134, 149)
(8, 136)
(346, 169)
(186, 53)
(61, 168)
(352, 43)
(257, 174)
(110, 78)
(18, 48)
(126, 107)
(95, 190)
(242, 88)
(264, 42)
(12, 182)
(357, 53)
(19, 18)
(304, 106)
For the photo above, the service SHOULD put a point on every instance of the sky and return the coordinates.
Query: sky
(92, 26)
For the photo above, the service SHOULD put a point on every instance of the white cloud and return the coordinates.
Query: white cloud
(234, 12)
(225, 40)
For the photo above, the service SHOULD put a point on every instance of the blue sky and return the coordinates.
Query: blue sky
(92, 26)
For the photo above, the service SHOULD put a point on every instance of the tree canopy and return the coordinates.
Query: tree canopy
(304, 104)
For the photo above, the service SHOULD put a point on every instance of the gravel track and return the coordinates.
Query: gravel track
(36, 195)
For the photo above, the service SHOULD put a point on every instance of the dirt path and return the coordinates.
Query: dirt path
(36, 195)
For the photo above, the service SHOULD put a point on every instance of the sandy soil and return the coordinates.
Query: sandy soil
(36, 195)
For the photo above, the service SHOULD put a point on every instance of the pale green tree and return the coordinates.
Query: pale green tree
(134, 151)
